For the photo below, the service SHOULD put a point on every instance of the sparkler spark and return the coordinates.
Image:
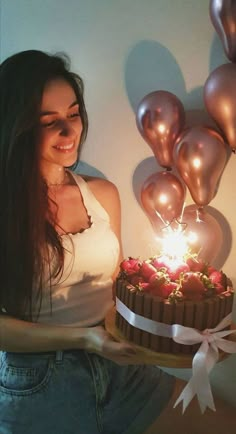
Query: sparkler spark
(176, 243)
(176, 240)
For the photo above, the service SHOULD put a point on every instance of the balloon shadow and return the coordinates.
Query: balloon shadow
(150, 66)
(225, 249)
(217, 54)
(197, 117)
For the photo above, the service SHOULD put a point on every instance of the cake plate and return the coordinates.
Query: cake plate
(149, 357)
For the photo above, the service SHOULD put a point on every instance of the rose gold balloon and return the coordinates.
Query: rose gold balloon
(220, 99)
(162, 197)
(223, 17)
(200, 156)
(204, 233)
(160, 118)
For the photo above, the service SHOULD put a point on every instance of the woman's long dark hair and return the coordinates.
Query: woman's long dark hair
(27, 236)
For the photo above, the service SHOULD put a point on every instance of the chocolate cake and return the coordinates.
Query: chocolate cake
(190, 293)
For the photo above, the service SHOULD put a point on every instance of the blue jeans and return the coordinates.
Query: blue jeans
(75, 392)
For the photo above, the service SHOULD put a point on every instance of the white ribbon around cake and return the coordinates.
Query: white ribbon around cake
(204, 359)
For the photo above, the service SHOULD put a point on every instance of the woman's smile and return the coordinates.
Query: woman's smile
(65, 148)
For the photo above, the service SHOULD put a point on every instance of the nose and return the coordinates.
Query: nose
(67, 129)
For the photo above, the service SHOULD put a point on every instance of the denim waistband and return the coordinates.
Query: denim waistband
(58, 355)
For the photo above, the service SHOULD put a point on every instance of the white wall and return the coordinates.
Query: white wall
(124, 49)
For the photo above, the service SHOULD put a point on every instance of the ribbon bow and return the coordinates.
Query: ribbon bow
(203, 361)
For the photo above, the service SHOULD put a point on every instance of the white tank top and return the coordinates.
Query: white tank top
(84, 293)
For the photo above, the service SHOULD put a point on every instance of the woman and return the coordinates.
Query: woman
(60, 372)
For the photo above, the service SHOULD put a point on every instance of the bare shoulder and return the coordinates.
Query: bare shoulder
(102, 188)
(105, 192)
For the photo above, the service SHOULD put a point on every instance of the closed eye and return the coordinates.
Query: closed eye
(48, 124)
(74, 115)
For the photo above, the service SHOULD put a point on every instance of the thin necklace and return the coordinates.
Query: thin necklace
(63, 182)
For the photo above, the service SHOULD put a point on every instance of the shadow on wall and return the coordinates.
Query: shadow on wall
(217, 54)
(149, 67)
(227, 234)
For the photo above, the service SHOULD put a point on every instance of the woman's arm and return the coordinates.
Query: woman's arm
(27, 337)
(23, 336)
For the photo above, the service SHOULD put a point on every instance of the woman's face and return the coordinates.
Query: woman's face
(60, 125)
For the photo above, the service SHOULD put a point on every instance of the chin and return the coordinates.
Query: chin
(71, 161)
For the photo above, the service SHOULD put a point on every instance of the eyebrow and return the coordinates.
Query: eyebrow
(46, 113)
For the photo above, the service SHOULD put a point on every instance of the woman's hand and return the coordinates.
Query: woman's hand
(99, 341)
